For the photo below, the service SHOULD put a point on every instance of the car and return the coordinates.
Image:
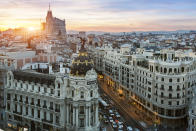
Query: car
(129, 128)
(112, 114)
(106, 121)
(120, 123)
(110, 111)
(104, 116)
(117, 116)
(114, 125)
(136, 129)
(120, 127)
(111, 119)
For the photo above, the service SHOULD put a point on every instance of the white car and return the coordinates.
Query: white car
(129, 128)
(110, 111)
(114, 126)
(120, 123)
(120, 127)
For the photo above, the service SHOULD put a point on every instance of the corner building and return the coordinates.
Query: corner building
(160, 84)
(56, 101)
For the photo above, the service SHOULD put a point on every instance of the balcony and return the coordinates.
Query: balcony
(44, 106)
(32, 103)
(26, 102)
(38, 105)
(47, 121)
(20, 101)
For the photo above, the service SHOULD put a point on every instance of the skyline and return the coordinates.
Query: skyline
(100, 15)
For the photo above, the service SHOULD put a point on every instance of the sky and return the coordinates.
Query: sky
(102, 15)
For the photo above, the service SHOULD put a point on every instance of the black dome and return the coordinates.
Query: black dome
(81, 64)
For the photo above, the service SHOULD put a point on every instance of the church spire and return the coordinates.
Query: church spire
(49, 6)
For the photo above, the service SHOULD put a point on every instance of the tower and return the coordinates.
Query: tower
(83, 101)
(49, 21)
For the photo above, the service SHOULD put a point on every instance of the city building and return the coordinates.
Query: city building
(160, 83)
(54, 26)
(50, 97)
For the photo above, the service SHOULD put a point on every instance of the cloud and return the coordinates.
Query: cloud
(104, 15)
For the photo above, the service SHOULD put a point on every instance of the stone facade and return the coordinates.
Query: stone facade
(161, 84)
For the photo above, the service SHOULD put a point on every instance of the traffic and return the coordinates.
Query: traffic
(109, 115)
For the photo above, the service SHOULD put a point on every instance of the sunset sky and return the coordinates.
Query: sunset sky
(102, 15)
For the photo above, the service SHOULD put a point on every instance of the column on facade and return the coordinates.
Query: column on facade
(67, 113)
(96, 114)
(35, 113)
(73, 115)
(76, 116)
(24, 110)
(89, 116)
(86, 116)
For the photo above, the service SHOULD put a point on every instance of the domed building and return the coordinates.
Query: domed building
(83, 97)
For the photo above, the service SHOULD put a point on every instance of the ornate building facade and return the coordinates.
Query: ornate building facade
(160, 84)
(54, 101)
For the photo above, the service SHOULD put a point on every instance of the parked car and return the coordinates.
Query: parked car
(129, 128)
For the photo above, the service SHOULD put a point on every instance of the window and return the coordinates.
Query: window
(45, 90)
(59, 85)
(170, 95)
(81, 94)
(26, 110)
(81, 109)
(38, 114)
(91, 94)
(162, 79)
(52, 91)
(170, 88)
(32, 112)
(58, 93)
(81, 122)
(44, 115)
(51, 117)
(72, 93)
(57, 119)
(8, 96)
(8, 106)
(162, 102)
(178, 80)
(177, 103)
(170, 103)
(170, 80)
